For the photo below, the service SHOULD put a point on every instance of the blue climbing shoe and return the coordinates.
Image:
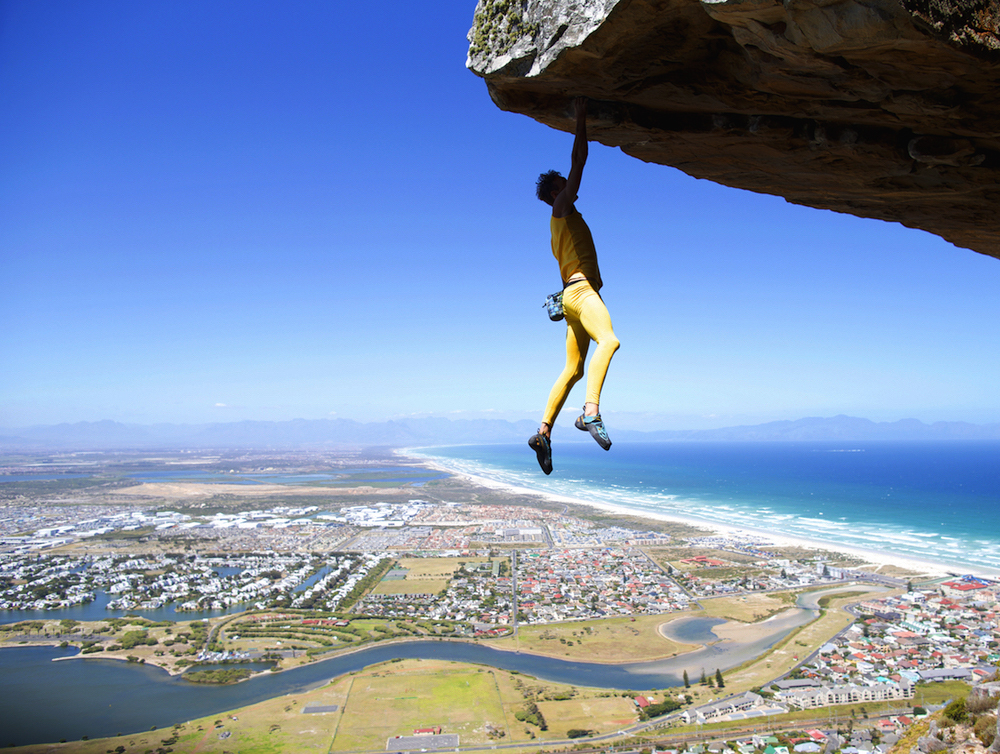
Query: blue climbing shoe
(595, 426)
(543, 451)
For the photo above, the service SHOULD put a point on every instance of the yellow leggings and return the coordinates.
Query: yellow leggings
(587, 319)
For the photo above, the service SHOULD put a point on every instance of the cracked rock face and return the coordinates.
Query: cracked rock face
(887, 109)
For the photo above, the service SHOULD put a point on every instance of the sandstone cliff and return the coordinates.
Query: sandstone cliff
(887, 109)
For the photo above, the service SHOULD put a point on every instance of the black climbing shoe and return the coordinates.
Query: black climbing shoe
(543, 451)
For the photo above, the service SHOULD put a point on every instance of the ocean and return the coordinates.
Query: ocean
(938, 502)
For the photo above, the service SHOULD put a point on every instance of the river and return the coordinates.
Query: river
(48, 701)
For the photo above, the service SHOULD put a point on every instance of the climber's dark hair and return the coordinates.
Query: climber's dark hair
(543, 186)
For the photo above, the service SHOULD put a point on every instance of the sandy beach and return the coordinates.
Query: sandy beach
(873, 560)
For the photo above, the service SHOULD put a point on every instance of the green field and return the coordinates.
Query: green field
(425, 575)
(394, 703)
(601, 714)
(410, 586)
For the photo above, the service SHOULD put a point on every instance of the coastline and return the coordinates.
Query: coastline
(872, 559)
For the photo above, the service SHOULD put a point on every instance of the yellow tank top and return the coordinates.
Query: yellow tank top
(573, 248)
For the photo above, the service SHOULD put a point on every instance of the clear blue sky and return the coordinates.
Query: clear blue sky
(269, 210)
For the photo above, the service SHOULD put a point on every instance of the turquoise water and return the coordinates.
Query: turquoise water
(933, 501)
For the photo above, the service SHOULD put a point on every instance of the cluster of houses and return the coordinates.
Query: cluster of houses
(877, 739)
(552, 585)
(52, 581)
(564, 584)
(950, 632)
(704, 576)
(476, 593)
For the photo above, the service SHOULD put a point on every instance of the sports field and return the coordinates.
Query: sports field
(424, 575)
(600, 714)
(397, 699)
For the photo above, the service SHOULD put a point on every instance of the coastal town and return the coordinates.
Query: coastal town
(187, 583)
(567, 568)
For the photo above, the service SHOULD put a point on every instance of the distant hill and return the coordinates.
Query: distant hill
(838, 428)
(332, 433)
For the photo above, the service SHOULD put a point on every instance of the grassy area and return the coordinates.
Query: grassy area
(749, 608)
(425, 575)
(826, 600)
(607, 640)
(411, 586)
(273, 633)
(673, 556)
(601, 714)
(434, 568)
(397, 699)
(939, 693)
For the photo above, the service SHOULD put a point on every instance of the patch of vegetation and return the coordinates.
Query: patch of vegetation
(373, 577)
(826, 599)
(134, 638)
(498, 25)
(661, 708)
(986, 729)
(956, 711)
(531, 714)
(220, 676)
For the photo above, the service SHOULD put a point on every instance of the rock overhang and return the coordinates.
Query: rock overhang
(885, 109)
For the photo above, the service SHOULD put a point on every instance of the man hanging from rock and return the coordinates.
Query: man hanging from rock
(587, 317)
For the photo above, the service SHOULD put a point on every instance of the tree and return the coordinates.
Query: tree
(718, 679)
(703, 679)
(956, 711)
(687, 683)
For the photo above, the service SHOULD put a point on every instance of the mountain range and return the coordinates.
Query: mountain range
(333, 433)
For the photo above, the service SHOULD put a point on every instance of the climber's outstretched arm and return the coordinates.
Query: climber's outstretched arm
(563, 204)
